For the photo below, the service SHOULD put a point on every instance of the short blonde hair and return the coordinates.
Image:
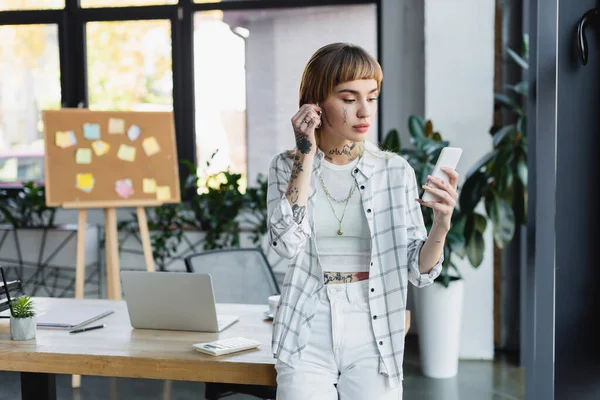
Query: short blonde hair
(332, 65)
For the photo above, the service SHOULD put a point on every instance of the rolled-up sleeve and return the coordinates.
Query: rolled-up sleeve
(417, 235)
(287, 237)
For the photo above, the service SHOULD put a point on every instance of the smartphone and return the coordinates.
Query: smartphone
(448, 158)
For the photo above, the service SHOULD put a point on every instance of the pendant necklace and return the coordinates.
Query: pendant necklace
(330, 198)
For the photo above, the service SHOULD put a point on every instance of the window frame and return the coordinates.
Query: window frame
(71, 22)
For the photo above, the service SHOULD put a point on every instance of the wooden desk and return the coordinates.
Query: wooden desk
(118, 350)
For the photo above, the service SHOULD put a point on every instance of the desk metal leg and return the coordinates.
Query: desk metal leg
(37, 386)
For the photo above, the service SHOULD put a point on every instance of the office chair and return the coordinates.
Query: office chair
(241, 276)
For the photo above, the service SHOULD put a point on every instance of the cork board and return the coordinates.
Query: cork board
(105, 159)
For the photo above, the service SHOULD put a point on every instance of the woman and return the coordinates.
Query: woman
(347, 216)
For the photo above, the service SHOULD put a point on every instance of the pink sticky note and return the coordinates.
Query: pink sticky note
(124, 188)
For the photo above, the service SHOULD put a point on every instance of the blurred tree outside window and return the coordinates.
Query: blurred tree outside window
(129, 66)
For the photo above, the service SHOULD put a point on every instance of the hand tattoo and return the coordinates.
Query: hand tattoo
(298, 213)
(345, 116)
(302, 142)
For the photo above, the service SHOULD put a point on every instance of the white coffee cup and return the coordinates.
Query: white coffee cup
(273, 301)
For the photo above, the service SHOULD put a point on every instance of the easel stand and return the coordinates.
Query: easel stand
(113, 281)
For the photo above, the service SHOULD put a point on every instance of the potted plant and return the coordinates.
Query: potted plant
(22, 319)
(500, 176)
(439, 306)
(38, 251)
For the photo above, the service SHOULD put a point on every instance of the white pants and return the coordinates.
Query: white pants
(341, 351)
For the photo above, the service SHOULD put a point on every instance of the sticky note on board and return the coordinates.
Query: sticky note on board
(126, 153)
(149, 185)
(163, 193)
(85, 182)
(83, 156)
(133, 132)
(116, 126)
(100, 147)
(151, 146)
(64, 139)
(124, 188)
(91, 131)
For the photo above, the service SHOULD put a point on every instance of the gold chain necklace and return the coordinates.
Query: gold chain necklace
(346, 200)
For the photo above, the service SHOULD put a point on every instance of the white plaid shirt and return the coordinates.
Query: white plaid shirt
(388, 189)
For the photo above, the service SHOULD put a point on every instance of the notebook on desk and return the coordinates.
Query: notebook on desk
(71, 317)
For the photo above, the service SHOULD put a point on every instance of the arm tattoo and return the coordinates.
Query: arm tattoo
(298, 212)
(345, 116)
(302, 142)
(293, 193)
(296, 169)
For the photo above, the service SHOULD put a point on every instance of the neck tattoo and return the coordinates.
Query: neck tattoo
(346, 150)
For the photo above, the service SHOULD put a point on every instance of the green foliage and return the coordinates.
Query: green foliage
(28, 209)
(427, 146)
(256, 208)
(500, 176)
(22, 307)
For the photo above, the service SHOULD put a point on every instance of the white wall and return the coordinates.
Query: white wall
(459, 77)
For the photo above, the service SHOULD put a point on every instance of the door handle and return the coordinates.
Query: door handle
(590, 17)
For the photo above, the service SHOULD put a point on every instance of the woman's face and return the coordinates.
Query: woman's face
(349, 110)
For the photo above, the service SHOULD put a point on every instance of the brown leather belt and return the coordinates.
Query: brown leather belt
(332, 278)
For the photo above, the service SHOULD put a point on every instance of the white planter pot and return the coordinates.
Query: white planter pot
(439, 318)
(22, 328)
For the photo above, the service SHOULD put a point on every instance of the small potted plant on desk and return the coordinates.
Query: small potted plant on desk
(22, 319)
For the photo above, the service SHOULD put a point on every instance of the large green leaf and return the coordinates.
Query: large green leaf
(475, 249)
(520, 88)
(392, 141)
(481, 163)
(416, 127)
(503, 218)
(522, 172)
(480, 222)
(501, 134)
(522, 125)
(505, 101)
(471, 192)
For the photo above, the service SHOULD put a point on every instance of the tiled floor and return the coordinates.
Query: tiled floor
(476, 380)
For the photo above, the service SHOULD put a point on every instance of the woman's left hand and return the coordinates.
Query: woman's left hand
(447, 194)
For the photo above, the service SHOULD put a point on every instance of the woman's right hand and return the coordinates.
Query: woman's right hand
(306, 120)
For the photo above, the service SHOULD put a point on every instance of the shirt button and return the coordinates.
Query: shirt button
(381, 343)
(355, 170)
(362, 187)
(371, 263)
(372, 290)
(274, 243)
(374, 316)
(368, 210)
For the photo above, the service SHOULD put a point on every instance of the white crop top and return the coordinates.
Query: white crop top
(350, 252)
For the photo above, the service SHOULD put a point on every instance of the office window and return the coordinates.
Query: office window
(247, 70)
(11, 5)
(124, 3)
(129, 66)
(29, 65)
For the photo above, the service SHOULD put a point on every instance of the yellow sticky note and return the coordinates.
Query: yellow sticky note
(163, 193)
(85, 182)
(149, 186)
(150, 146)
(126, 153)
(64, 139)
(116, 126)
(100, 147)
(83, 156)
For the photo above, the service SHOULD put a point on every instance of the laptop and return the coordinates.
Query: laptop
(177, 301)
